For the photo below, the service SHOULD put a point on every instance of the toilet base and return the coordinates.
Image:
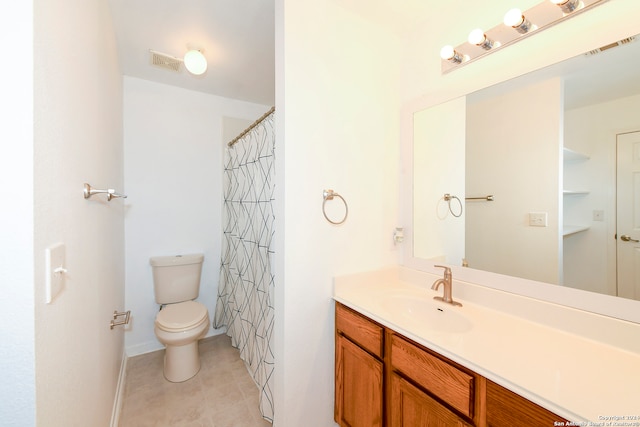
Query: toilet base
(181, 362)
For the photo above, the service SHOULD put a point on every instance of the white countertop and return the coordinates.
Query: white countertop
(557, 363)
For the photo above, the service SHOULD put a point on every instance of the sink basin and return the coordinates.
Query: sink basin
(428, 313)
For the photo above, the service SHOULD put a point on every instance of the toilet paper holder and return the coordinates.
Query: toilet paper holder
(116, 314)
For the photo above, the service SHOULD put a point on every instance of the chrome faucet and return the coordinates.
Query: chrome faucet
(446, 281)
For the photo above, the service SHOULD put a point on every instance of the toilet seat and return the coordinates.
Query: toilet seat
(181, 316)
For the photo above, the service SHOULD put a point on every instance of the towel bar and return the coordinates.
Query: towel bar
(111, 193)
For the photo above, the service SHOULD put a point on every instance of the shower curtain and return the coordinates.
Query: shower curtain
(245, 293)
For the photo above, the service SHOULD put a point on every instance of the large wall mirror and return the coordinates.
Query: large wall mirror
(541, 176)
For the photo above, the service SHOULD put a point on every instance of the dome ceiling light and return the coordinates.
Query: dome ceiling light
(194, 60)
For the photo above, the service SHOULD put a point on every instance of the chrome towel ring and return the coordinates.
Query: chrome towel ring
(329, 195)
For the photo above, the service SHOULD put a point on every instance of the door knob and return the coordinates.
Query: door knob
(626, 238)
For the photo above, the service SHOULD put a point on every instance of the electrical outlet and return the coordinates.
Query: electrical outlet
(54, 270)
(538, 219)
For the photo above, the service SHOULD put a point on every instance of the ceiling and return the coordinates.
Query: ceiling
(237, 38)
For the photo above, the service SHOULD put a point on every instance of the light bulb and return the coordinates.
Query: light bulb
(448, 53)
(513, 18)
(195, 62)
(477, 36)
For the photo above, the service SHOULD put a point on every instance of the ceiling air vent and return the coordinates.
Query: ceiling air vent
(165, 61)
(611, 46)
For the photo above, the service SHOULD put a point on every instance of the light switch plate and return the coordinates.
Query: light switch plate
(54, 270)
(538, 219)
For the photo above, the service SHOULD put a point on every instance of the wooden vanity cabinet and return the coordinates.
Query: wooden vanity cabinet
(359, 370)
(384, 379)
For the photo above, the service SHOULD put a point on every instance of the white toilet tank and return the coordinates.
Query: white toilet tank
(176, 278)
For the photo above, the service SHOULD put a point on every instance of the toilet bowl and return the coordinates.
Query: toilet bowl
(181, 321)
(179, 326)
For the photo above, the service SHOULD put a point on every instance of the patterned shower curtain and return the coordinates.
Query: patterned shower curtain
(245, 293)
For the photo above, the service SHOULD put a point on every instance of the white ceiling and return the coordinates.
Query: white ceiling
(237, 38)
(238, 42)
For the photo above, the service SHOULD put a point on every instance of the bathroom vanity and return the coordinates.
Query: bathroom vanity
(403, 359)
(422, 387)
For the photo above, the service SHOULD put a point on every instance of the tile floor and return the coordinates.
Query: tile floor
(222, 394)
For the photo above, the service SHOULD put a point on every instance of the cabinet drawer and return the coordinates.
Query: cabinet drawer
(505, 408)
(452, 385)
(360, 330)
(412, 407)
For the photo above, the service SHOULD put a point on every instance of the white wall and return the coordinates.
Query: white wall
(173, 173)
(519, 163)
(336, 127)
(233, 127)
(17, 352)
(590, 257)
(78, 138)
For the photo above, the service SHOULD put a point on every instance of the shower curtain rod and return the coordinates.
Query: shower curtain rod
(254, 124)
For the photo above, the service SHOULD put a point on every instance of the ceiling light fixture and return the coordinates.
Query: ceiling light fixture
(195, 62)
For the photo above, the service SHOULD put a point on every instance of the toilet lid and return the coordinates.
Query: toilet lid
(182, 315)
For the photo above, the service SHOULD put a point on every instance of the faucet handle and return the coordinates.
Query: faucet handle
(447, 270)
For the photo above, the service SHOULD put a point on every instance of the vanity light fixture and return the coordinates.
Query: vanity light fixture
(525, 23)
(515, 19)
(479, 38)
(567, 6)
(195, 62)
(448, 53)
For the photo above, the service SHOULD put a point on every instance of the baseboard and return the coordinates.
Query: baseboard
(143, 348)
(117, 404)
(151, 346)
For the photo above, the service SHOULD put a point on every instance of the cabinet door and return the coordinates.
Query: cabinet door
(358, 386)
(507, 409)
(411, 407)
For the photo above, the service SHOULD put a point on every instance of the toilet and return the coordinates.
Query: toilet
(181, 322)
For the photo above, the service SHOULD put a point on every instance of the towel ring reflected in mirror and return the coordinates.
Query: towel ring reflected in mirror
(447, 198)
